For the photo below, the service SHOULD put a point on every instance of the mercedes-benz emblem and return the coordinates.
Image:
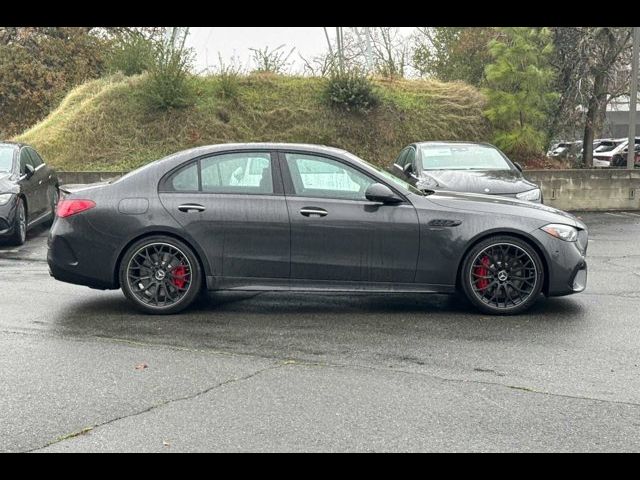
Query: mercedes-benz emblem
(502, 275)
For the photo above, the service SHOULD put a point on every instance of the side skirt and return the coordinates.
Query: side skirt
(305, 285)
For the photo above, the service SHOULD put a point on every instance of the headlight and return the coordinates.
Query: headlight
(563, 232)
(531, 195)
(4, 198)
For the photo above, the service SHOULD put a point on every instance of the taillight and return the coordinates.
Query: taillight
(66, 208)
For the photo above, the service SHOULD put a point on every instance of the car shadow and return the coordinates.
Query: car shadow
(240, 321)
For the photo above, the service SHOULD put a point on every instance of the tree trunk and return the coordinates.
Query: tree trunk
(592, 115)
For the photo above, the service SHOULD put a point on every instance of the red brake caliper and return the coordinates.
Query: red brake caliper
(179, 275)
(482, 272)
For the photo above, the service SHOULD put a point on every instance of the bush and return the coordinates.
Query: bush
(169, 83)
(131, 55)
(351, 91)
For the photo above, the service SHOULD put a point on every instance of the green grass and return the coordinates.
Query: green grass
(105, 125)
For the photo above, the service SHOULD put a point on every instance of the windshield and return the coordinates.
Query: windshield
(6, 158)
(462, 157)
(605, 147)
(400, 184)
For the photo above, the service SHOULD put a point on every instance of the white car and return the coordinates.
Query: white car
(603, 154)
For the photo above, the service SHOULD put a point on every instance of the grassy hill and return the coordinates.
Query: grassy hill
(104, 125)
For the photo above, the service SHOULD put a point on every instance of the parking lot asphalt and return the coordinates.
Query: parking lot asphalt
(82, 371)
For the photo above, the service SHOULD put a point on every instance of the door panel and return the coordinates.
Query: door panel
(242, 235)
(336, 234)
(232, 205)
(354, 241)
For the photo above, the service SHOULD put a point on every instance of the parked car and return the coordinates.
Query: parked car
(28, 191)
(619, 160)
(565, 150)
(463, 167)
(315, 219)
(602, 156)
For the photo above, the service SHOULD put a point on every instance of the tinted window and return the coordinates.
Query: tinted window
(35, 158)
(411, 156)
(185, 179)
(315, 176)
(25, 159)
(6, 158)
(402, 158)
(247, 172)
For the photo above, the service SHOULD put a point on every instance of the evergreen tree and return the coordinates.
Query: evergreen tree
(519, 88)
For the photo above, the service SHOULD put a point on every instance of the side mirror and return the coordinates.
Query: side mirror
(518, 166)
(29, 171)
(408, 168)
(378, 192)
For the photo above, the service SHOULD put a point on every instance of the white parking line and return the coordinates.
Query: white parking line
(631, 213)
(613, 214)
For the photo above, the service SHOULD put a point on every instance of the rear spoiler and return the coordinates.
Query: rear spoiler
(78, 187)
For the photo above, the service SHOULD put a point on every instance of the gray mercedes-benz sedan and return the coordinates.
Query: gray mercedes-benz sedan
(306, 218)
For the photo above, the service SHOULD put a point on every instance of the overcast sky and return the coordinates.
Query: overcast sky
(235, 42)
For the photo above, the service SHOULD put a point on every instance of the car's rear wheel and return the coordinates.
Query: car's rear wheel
(19, 235)
(502, 275)
(160, 275)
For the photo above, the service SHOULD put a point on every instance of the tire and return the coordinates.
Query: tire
(502, 275)
(160, 288)
(53, 200)
(19, 235)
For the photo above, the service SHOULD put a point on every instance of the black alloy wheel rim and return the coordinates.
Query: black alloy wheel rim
(503, 276)
(159, 275)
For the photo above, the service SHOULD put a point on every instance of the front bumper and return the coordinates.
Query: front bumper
(597, 162)
(566, 264)
(7, 218)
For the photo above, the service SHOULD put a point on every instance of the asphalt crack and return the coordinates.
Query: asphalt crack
(156, 406)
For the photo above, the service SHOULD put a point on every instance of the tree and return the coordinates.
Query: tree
(38, 65)
(519, 82)
(453, 53)
(591, 65)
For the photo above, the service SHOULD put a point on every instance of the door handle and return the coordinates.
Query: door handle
(309, 211)
(189, 207)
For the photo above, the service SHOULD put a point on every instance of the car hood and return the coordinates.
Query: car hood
(495, 205)
(498, 182)
(7, 185)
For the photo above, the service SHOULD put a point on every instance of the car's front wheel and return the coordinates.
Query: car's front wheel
(19, 235)
(160, 275)
(502, 275)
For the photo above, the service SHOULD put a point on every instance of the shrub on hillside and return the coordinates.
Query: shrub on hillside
(39, 66)
(168, 84)
(131, 54)
(351, 91)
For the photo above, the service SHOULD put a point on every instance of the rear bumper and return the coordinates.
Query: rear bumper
(74, 258)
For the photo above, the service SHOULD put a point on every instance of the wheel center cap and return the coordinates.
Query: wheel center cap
(160, 274)
(502, 275)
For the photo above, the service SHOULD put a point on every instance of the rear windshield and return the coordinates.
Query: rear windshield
(6, 158)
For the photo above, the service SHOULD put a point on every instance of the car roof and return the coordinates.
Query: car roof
(452, 142)
(266, 146)
(12, 144)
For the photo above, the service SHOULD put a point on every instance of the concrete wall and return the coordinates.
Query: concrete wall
(588, 189)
